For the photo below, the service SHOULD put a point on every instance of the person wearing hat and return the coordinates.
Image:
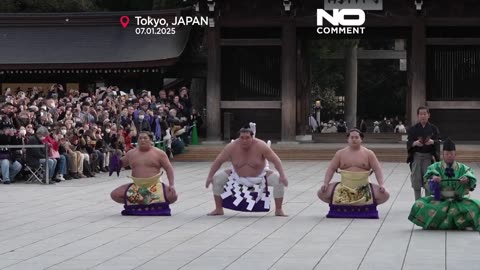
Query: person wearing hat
(423, 149)
(448, 208)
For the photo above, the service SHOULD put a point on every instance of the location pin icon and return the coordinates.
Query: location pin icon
(124, 20)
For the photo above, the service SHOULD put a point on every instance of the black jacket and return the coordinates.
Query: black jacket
(34, 154)
(417, 132)
(6, 123)
(142, 125)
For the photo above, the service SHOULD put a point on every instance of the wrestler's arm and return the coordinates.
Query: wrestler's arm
(375, 165)
(223, 157)
(167, 166)
(334, 165)
(124, 161)
(271, 156)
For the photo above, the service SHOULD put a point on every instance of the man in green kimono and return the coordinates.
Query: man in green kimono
(448, 208)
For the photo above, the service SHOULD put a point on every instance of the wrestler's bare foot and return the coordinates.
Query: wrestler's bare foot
(216, 212)
(280, 213)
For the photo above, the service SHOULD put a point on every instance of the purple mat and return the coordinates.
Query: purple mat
(353, 211)
(154, 209)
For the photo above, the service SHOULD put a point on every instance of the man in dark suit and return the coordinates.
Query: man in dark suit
(423, 148)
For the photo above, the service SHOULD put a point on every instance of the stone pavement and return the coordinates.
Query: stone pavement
(75, 225)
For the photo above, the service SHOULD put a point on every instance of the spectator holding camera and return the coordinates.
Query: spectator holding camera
(185, 100)
(36, 156)
(9, 166)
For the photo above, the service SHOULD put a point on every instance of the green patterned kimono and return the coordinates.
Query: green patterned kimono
(454, 211)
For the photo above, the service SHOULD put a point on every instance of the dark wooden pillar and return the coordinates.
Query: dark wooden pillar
(289, 81)
(351, 73)
(213, 84)
(417, 91)
(304, 103)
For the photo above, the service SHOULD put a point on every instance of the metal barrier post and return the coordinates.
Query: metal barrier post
(47, 179)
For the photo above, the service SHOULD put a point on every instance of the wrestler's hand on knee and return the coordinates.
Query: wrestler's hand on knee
(283, 180)
(382, 189)
(324, 188)
(209, 181)
(172, 194)
(463, 180)
(436, 178)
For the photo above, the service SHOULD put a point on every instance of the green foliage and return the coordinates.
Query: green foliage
(381, 85)
(327, 96)
(324, 47)
(8, 6)
(382, 89)
(327, 74)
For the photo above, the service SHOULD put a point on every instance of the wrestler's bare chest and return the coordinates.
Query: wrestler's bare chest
(142, 160)
(354, 160)
(251, 160)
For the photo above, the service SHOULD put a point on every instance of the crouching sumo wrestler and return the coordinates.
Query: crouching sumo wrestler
(354, 196)
(245, 186)
(147, 195)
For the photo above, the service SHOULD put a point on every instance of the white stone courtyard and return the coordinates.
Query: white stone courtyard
(75, 225)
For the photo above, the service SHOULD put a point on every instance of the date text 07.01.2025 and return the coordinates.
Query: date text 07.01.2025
(155, 30)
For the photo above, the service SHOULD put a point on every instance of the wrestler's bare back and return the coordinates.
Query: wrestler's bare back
(247, 163)
(354, 160)
(146, 164)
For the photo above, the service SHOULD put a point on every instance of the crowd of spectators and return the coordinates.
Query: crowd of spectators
(83, 129)
(385, 126)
